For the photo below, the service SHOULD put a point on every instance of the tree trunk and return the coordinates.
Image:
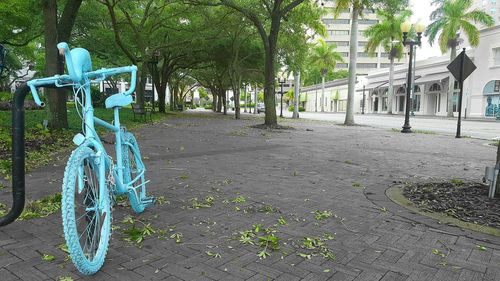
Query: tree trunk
(322, 93)
(390, 92)
(296, 94)
(161, 98)
(219, 102)
(256, 100)
(214, 101)
(141, 85)
(451, 85)
(171, 98)
(56, 99)
(316, 101)
(236, 92)
(269, 96)
(246, 99)
(176, 98)
(497, 190)
(353, 57)
(224, 101)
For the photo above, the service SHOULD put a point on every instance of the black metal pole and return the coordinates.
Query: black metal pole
(412, 100)
(461, 83)
(363, 107)
(281, 111)
(406, 126)
(18, 153)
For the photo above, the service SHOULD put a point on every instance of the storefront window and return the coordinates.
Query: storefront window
(416, 103)
(455, 102)
(492, 92)
(384, 104)
(342, 105)
(401, 103)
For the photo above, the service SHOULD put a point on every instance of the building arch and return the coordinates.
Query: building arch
(435, 88)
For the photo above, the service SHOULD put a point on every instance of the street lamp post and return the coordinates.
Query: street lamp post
(413, 97)
(281, 80)
(363, 102)
(245, 111)
(405, 28)
(3, 56)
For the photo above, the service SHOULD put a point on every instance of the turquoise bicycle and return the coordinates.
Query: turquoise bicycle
(92, 178)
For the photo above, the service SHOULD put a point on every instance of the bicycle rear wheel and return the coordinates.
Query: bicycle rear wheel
(86, 210)
(133, 174)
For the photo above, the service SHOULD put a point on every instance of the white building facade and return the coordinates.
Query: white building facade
(481, 97)
(334, 98)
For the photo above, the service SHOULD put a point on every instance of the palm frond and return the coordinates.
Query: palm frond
(471, 32)
(479, 17)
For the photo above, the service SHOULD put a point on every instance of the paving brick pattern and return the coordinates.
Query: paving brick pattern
(342, 169)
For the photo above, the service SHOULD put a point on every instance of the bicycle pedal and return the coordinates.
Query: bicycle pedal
(148, 200)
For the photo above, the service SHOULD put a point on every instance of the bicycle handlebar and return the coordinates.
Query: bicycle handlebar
(76, 76)
(57, 80)
(105, 72)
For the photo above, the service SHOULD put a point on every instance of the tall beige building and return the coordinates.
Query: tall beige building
(338, 33)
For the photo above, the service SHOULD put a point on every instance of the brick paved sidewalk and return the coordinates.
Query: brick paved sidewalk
(284, 177)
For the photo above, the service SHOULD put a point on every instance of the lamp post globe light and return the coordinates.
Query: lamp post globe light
(405, 28)
(282, 81)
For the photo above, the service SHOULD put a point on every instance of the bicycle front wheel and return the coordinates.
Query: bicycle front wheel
(86, 210)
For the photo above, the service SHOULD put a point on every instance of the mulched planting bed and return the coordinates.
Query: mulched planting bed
(466, 201)
(274, 128)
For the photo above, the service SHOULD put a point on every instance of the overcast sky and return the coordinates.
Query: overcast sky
(421, 11)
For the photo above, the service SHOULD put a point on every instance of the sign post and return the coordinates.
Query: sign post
(461, 67)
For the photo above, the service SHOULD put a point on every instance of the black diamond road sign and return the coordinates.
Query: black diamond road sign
(464, 62)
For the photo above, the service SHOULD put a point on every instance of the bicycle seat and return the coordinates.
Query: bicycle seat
(118, 100)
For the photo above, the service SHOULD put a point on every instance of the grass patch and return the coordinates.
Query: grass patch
(42, 144)
(42, 207)
(425, 132)
(239, 200)
(322, 215)
(457, 182)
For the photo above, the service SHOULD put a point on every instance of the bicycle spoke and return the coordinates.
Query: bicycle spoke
(86, 228)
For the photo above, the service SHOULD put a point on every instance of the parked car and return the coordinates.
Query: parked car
(261, 107)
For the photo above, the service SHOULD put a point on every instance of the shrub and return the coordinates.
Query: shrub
(5, 96)
(98, 97)
(301, 108)
(208, 106)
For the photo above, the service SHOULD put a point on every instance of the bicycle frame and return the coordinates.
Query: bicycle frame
(79, 69)
(91, 136)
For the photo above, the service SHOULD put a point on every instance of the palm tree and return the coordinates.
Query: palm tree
(387, 33)
(325, 58)
(438, 12)
(357, 8)
(456, 16)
